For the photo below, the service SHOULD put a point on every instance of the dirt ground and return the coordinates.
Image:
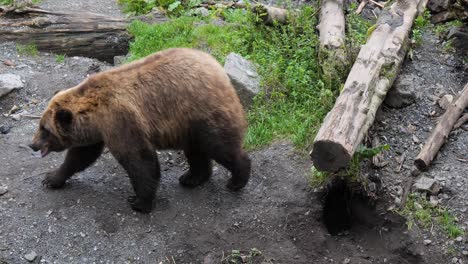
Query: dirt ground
(90, 221)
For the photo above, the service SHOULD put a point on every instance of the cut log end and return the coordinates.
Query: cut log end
(421, 165)
(329, 156)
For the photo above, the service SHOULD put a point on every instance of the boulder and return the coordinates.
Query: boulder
(244, 77)
(9, 82)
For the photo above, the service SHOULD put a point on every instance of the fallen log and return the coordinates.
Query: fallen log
(440, 134)
(462, 120)
(371, 76)
(332, 52)
(71, 33)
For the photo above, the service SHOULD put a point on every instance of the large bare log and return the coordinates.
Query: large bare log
(71, 33)
(440, 134)
(371, 76)
(332, 39)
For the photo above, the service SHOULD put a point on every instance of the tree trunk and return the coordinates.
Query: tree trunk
(367, 84)
(332, 39)
(441, 132)
(71, 33)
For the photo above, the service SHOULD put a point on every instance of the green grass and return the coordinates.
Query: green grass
(28, 49)
(418, 211)
(60, 58)
(353, 172)
(171, 7)
(420, 23)
(443, 28)
(6, 2)
(294, 99)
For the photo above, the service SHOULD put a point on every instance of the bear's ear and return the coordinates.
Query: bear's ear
(64, 118)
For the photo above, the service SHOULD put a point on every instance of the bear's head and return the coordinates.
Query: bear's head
(55, 130)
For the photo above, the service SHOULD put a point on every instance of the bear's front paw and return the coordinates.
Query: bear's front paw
(53, 180)
(141, 205)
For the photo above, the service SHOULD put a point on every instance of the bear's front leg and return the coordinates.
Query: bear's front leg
(76, 160)
(142, 166)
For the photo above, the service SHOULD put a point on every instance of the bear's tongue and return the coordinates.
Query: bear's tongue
(44, 151)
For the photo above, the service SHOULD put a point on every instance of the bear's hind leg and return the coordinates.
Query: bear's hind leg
(238, 163)
(200, 167)
(76, 160)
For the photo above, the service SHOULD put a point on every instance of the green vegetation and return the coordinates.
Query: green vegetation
(420, 23)
(6, 2)
(419, 211)
(28, 49)
(443, 28)
(172, 7)
(60, 58)
(294, 99)
(353, 172)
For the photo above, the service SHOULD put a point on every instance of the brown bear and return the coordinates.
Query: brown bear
(174, 99)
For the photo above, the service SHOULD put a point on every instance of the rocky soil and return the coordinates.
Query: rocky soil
(89, 221)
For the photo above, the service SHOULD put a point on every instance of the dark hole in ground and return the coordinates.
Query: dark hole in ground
(345, 206)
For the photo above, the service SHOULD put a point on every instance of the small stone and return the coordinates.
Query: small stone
(3, 189)
(397, 201)
(445, 101)
(415, 139)
(9, 63)
(459, 239)
(454, 260)
(402, 93)
(433, 201)
(425, 184)
(411, 128)
(399, 190)
(14, 109)
(243, 76)
(16, 117)
(465, 252)
(201, 11)
(438, 5)
(9, 82)
(418, 206)
(119, 60)
(30, 256)
(5, 129)
(346, 261)
(427, 242)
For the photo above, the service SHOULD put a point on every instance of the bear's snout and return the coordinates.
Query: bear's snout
(34, 147)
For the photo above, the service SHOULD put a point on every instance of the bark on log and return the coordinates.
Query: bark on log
(440, 134)
(371, 76)
(332, 38)
(71, 33)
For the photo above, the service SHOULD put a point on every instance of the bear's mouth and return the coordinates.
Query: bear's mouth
(45, 151)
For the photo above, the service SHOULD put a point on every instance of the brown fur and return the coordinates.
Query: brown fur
(174, 99)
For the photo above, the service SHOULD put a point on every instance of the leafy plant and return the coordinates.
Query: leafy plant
(28, 49)
(60, 58)
(419, 211)
(6, 2)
